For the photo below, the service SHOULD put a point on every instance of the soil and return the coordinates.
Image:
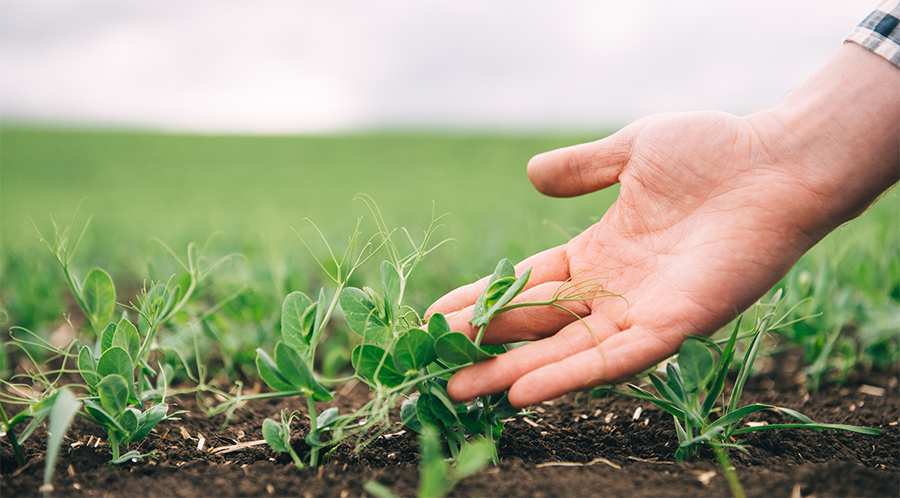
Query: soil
(573, 446)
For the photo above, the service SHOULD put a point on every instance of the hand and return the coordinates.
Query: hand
(713, 210)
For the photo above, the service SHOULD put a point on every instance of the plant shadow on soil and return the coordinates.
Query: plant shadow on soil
(572, 446)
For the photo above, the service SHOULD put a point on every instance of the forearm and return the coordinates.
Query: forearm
(841, 131)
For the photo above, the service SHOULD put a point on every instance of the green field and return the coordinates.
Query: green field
(181, 188)
(184, 188)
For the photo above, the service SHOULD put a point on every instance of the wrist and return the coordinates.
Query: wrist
(839, 133)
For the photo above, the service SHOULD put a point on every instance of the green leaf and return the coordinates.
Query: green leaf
(814, 426)
(99, 416)
(674, 400)
(99, 296)
(434, 400)
(129, 422)
(113, 391)
(434, 479)
(437, 325)
(275, 436)
(327, 418)
(676, 383)
(87, 367)
(297, 320)
(472, 457)
(116, 360)
(323, 424)
(501, 408)
(456, 348)
(366, 359)
(148, 420)
(496, 291)
(65, 406)
(735, 416)
(502, 288)
(270, 374)
(408, 414)
(504, 270)
(363, 317)
(414, 351)
(390, 284)
(127, 338)
(293, 369)
(106, 339)
(696, 363)
(723, 366)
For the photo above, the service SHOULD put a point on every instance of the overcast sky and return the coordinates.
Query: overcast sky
(271, 66)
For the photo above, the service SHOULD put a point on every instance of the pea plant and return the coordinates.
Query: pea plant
(694, 383)
(120, 395)
(401, 358)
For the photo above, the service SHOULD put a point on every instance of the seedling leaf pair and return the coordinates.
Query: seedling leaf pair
(500, 290)
(289, 373)
(414, 351)
(457, 349)
(300, 319)
(376, 365)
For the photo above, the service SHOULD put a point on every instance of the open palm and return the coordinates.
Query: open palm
(705, 223)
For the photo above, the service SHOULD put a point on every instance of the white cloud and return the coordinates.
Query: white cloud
(304, 66)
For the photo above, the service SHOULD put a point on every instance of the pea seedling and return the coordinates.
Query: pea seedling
(115, 370)
(690, 391)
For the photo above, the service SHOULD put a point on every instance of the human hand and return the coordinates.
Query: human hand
(702, 210)
(713, 210)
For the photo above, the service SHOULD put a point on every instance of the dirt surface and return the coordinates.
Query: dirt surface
(573, 446)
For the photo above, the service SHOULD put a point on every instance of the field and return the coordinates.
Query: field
(248, 195)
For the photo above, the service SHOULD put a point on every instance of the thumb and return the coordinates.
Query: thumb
(581, 169)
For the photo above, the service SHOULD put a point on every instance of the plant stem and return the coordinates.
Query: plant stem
(317, 335)
(480, 335)
(114, 444)
(736, 490)
(297, 462)
(313, 426)
(487, 410)
(11, 435)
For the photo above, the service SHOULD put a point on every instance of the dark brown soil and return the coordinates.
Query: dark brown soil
(573, 446)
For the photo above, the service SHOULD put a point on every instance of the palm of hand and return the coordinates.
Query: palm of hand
(703, 226)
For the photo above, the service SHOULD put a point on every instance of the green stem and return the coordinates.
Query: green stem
(736, 490)
(412, 382)
(489, 428)
(480, 335)
(114, 444)
(11, 435)
(296, 459)
(313, 427)
(317, 335)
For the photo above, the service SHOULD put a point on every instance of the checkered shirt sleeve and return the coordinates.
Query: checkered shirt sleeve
(880, 31)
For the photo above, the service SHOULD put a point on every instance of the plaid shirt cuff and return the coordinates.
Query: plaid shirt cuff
(880, 31)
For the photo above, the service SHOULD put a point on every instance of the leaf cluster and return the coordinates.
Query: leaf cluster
(694, 383)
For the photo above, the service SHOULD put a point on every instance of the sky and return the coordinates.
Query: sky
(286, 67)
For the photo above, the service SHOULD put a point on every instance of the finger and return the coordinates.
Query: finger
(498, 374)
(583, 168)
(548, 265)
(528, 323)
(620, 357)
